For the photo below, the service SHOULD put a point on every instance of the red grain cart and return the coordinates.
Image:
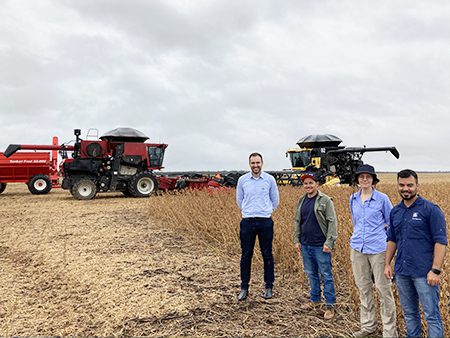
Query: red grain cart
(37, 169)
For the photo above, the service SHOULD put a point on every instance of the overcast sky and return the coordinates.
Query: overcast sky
(219, 79)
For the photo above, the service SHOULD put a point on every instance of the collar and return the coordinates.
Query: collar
(417, 202)
(261, 176)
(319, 194)
(375, 195)
(314, 197)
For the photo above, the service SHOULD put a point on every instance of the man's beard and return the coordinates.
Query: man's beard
(409, 197)
(256, 170)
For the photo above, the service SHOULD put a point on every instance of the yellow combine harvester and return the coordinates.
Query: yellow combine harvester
(324, 156)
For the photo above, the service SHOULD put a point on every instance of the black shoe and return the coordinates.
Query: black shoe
(243, 295)
(268, 293)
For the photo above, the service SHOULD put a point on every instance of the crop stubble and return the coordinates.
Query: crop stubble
(167, 265)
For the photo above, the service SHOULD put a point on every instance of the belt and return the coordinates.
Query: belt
(257, 218)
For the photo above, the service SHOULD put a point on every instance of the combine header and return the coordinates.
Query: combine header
(119, 161)
(197, 180)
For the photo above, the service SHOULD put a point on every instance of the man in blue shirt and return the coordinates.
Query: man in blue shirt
(257, 197)
(417, 232)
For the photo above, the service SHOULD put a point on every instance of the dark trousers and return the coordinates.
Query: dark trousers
(251, 228)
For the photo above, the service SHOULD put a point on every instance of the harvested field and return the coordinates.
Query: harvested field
(104, 267)
(164, 266)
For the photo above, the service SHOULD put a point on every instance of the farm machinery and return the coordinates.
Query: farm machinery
(39, 170)
(119, 161)
(324, 156)
(319, 154)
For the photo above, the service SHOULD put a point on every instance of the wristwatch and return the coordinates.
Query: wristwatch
(436, 271)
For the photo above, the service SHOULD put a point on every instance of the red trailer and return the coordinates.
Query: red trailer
(39, 170)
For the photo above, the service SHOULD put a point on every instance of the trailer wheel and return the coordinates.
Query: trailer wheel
(84, 189)
(142, 184)
(2, 187)
(40, 185)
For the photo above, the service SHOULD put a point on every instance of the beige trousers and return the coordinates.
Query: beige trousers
(364, 265)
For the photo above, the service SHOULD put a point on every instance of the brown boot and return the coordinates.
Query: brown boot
(329, 313)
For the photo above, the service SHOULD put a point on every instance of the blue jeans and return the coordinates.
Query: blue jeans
(315, 261)
(251, 228)
(412, 290)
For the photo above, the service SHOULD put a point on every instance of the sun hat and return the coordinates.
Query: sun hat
(366, 169)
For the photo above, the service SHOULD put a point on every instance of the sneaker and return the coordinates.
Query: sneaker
(268, 293)
(329, 313)
(309, 305)
(243, 295)
(362, 334)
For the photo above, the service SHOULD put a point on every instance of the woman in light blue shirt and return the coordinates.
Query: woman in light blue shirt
(370, 211)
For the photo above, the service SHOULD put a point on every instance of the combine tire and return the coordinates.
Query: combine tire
(127, 193)
(2, 187)
(84, 189)
(142, 184)
(39, 185)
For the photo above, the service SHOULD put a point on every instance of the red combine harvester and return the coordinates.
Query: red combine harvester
(119, 161)
(39, 170)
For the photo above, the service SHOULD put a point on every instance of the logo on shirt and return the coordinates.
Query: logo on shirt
(415, 216)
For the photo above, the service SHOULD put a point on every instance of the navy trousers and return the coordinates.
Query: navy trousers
(250, 228)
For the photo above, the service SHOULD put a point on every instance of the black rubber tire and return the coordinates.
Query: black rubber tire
(142, 184)
(84, 189)
(127, 193)
(2, 187)
(39, 184)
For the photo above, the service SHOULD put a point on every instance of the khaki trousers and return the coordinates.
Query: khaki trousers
(364, 265)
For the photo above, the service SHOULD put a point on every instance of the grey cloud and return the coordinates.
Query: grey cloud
(220, 79)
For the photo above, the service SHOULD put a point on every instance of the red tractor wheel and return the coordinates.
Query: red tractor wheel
(2, 187)
(39, 185)
(84, 189)
(142, 184)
